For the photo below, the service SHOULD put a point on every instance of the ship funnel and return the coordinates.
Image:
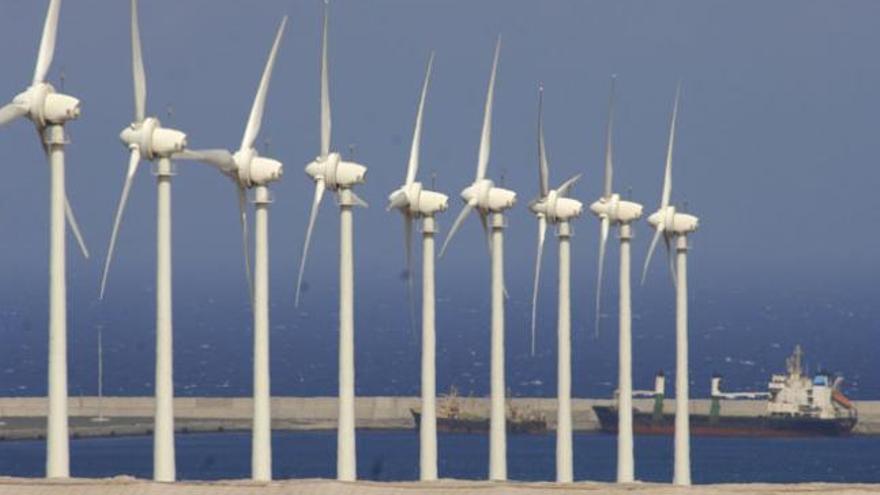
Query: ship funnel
(660, 384)
(716, 386)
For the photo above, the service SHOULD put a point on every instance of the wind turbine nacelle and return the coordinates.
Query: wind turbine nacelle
(431, 202)
(59, 108)
(165, 142)
(349, 174)
(264, 170)
(627, 211)
(682, 223)
(617, 210)
(498, 199)
(567, 208)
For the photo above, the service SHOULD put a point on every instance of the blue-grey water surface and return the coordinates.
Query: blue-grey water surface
(394, 455)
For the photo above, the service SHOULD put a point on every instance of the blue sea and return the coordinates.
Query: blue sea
(393, 455)
(744, 331)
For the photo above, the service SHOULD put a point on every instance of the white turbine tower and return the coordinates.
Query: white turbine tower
(330, 171)
(414, 202)
(248, 170)
(554, 207)
(676, 226)
(49, 111)
(611, 210)
(147, 139)
(486, 199)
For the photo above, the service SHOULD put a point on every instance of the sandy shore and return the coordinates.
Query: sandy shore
(131, 486)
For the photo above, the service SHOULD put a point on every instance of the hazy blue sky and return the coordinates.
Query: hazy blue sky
(776, 153)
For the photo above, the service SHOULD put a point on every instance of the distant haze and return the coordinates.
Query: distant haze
(776, 153)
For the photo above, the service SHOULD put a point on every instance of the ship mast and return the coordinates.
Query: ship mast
(794, 363)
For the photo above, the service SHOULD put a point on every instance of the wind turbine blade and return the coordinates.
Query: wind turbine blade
(326, 123)
(486, 138)
(137, 66)
(670, 257)
(609, 155)
(74, 227)
(242, 215)
(133, 161)
(408, 234)
(413, 168)
(651, 252)
(319, 193)
(359, 201)
(667, 176)
(11, 112)
(484, 222)
(455, 226)
(543, 168)
(256, 117)
(219, 159)
(47, 43)
(566, 186)
(603, 242)
(542, 233)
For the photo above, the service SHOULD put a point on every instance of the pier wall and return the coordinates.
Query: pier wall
(372, 412)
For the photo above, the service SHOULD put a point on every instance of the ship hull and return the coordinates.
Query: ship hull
(481, 425)
(729, 426)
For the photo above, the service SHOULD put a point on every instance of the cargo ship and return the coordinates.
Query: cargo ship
(797, 405)
(454, 416)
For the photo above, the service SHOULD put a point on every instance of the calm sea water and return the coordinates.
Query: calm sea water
(393, 455)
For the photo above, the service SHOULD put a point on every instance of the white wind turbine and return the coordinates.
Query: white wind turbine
(49, 111)
(673, 225)
(330, 171)
(554, 207)
(485, 198)
(414, 202)
(611, 210)
(147, 139)
(248, 170)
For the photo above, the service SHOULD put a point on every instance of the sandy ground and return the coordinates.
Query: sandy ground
(131, 486)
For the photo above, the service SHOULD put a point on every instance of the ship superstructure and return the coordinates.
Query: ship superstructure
(796, 394)
(456, 415)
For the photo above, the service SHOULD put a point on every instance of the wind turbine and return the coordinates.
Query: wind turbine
(414, 202)
(676, 226)
(49, 111)
(147, 139)
(248, 170)
(554, 207)
(486, 199)
(329, 171)
(611, 210)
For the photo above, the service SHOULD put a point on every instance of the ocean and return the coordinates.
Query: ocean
(394, 455)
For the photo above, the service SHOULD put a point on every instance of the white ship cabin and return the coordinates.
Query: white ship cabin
(795, 394)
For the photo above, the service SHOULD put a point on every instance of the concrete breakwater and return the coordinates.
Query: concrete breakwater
(23, 417)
